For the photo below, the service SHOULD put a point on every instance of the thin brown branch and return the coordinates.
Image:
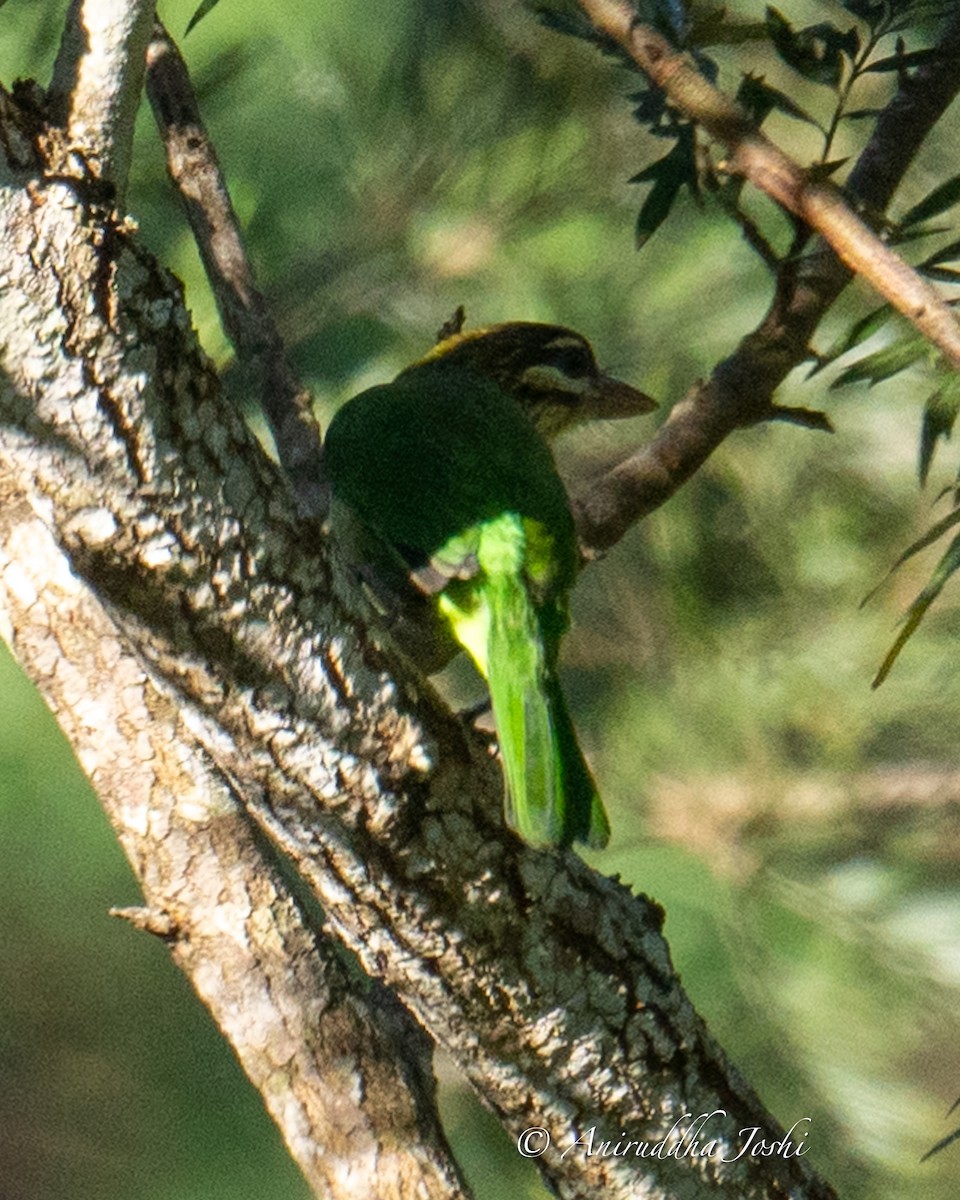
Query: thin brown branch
(903, 125)
(195, 170)
(751, 154)
(741, 388)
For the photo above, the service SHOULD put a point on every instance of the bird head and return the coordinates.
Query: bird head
(549, 370)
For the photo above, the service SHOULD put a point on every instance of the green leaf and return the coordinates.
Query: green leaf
(941, 1145)
(885, 363)
(655, 209)
(575, 24)
(823, 170)
(650, 108)
(948, 253)
(720, 27)
(871, 11)
(939, 415)
(858, 332)
(933, 534)
(668, 175)
(948, 1140)
(941, 274)
(899, 237)
(205, 7)
(918, 609)
(901, 62)
(945, 196)
(815, 52)
(760, 99)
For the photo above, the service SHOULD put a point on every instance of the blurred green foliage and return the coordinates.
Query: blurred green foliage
(390, 161)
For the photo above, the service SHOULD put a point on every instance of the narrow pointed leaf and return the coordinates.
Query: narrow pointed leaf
(858, 332)
(760, 99)
(823, 170)
(918, 609)
(668, 175)
(897, 62)
(939, 200)
(941, 1145)
(900, 236)
(576, 25)
(571, 23)
(941, 274)
(933, 534)
(939, 415)
(204, 8)
(656, 208)
(885, 363)
(947, 253)
(867, 10)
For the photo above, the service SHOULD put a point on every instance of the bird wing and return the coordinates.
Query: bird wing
(425, 460)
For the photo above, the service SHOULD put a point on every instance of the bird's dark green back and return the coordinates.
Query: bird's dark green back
(438, 451)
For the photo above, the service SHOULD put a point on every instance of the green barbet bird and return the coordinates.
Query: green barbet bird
(442, 487)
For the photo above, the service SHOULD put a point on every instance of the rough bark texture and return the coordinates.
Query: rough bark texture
(549, 984)
(354, 1105)
(96, 84)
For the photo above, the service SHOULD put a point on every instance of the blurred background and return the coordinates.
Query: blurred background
(391, 160)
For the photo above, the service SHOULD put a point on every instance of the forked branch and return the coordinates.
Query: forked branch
(740, 390)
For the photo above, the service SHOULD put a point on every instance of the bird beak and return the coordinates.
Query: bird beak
(609, 399)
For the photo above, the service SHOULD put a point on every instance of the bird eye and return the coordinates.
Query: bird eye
(574, 361)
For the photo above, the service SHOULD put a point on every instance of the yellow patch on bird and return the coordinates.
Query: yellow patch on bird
(471, 627)
(501, 551)
(445, 345)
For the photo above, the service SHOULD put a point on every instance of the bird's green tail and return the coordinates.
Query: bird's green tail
(551, 797)
(584, 815)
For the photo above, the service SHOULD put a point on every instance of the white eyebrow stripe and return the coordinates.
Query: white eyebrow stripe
(550, 378)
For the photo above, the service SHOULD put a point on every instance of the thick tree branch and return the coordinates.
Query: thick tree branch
(921, 100)
(741, 388)
(196, 174)
(231, 924)
(287, 1003)
(96, 87)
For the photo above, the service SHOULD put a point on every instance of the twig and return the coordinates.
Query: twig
(97, 79)
(741, 388)
(195, 170)
(752, 155)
